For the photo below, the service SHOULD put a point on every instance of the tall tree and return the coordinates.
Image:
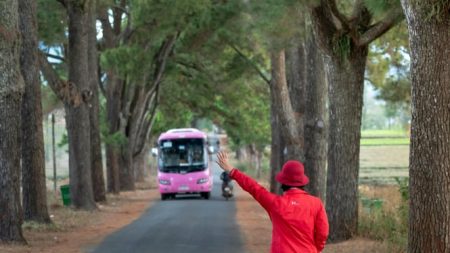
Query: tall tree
(33, 159)
(77, 96)
(112, 31)
(78, 115)
(345, 42)
(429, 36)
(11, 91)
(98, 181)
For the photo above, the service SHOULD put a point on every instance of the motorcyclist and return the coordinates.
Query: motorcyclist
(226, 181)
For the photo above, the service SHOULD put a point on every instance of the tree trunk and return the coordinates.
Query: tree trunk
(289, 119)
(277, 147)
(113, 105)
(33, 161)
(141, 164)
(11, 90)
(295, 77)
(238, 154)
(114, 90)
(315, 121)
(126, 170)
(259, 155)
(77, 118)
(345, 79)
(128, 126)
(98, 180)
(429, 220)
(112, 172)
(251, 155)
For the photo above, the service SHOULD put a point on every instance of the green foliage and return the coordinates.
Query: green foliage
(342, 46)
(278, 21)
(389, 52)
(396, 90)
(52, 22)
(379, 7)
(171, 116)
(209, 81)
(243, 166)
(115, 139)
(388, 72)
(129, 62)
(403, 184)
(64, 140)
(167, 15)
(153, 22)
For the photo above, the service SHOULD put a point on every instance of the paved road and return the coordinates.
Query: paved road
(184, 225)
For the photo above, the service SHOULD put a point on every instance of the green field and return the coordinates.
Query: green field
(384, 156)
(384, 141)
(384, 133)
(382, 164)
(384, 137)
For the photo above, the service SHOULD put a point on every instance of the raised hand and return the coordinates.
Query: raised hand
(222, 161)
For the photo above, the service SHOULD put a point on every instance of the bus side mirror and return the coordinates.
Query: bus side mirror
(210, 150)
(154, 152)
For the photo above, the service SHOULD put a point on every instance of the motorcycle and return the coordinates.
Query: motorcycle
(227, 187)
(227, 190)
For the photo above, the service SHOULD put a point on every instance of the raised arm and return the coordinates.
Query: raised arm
(259, 193)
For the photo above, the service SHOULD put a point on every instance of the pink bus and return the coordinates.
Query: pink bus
(183, 165)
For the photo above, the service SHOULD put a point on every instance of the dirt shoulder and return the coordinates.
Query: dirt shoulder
(78, 231)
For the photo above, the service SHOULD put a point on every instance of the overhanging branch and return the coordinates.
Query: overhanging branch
(57, 57)
(64, 90)
(392, 18)
(252, 64)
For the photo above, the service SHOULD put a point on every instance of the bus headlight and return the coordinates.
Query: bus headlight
(164, 182)
(202, 180)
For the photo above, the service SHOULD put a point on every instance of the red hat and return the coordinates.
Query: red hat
(292, 174)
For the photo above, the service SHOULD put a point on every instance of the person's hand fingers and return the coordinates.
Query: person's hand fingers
(221, 156)
(220, 161)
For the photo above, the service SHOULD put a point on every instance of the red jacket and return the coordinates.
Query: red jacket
(299, 221)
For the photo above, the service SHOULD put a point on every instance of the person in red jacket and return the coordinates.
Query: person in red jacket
(299, 220)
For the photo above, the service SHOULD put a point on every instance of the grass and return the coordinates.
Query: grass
(384, 214)
(384, 137)
(384, 133)
(383, 141)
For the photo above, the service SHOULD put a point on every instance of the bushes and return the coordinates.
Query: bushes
(380, 223)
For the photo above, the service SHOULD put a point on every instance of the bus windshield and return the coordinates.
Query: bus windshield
(182, 155)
